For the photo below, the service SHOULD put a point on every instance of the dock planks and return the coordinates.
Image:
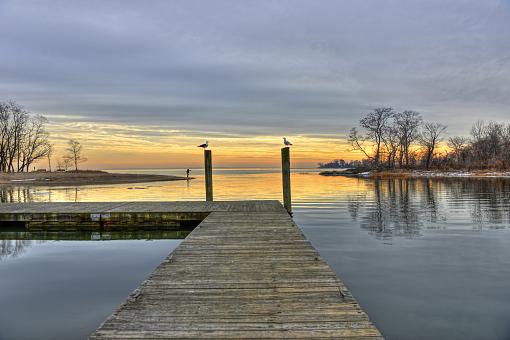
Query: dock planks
(246, 271)
(118, 216)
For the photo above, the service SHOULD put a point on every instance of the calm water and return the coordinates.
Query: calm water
(427, 259)
(65, 289)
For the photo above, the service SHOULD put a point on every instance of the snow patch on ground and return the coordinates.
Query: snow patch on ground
(455, 174)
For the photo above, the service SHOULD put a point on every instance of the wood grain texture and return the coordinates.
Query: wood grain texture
(208, 175)
(246, 271)
(287, 196)
(118, 216)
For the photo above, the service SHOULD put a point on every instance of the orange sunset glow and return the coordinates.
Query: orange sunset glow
(115, 146)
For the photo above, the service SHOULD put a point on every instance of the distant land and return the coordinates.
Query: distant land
(43, 178)
(340, 164)
(417, 173)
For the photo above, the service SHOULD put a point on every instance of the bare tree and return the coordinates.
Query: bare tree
(22, 137)
(391, 140)
(457, 145)
(64, 163)
(386, 137)
(375, 125)
(358, 143)
(49, 154)
(477, 147)
(18, 125)
(74, 153)
(35, 144)
(430, 137)
(493, 136)
(477, 131)
(407, 124)
(505, 157)
(5, 115)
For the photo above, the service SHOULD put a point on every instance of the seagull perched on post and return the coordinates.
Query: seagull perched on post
(204, 146)
(286, 142)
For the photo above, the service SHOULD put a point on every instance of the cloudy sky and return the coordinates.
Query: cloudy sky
(140, 83)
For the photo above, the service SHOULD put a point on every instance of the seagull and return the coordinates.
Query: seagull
(204, 146)
(286, 142)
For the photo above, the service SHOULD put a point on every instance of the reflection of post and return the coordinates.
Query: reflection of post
(287, 199)
(379, 211)
(208, 175)
(431, 200)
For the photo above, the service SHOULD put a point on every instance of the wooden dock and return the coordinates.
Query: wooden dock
(246, 271)
(114, 216)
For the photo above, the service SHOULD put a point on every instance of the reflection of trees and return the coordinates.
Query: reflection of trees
(403, 207)
(431, 200)
(486, 200)
(25, 194)
(491, 202)
(13, 248)
(390, 213)
(22, 194)
(355, 203)
(10, 194)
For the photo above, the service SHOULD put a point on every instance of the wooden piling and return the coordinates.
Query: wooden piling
(208, 175)
(287, 199)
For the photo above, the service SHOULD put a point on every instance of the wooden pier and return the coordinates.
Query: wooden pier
(246, 271)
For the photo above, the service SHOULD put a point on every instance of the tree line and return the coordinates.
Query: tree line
(25, 140)
(341, 164)
(403, 140)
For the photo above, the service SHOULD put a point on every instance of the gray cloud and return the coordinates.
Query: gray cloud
(257, 67)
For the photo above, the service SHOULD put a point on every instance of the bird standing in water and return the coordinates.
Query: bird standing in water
(286, 142)
(205, 145)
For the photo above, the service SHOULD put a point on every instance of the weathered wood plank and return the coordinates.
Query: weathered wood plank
(105, 207)
(114, 216)
(246, 271)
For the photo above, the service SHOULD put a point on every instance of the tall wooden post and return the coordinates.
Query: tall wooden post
(287, 200)
(208, 175)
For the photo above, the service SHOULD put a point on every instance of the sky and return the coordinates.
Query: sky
(141, 83)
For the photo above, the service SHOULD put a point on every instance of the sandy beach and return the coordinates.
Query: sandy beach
(80, 178)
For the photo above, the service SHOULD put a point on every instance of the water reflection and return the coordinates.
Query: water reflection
(16, 243)
(15, 194)
(230, 184)
(65, 289)
(13, 248)
(406, 207)
(455, 252)
(25, 194)
(386, 208)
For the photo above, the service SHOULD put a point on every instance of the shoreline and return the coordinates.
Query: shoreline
(418, 174)
(88, 177)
